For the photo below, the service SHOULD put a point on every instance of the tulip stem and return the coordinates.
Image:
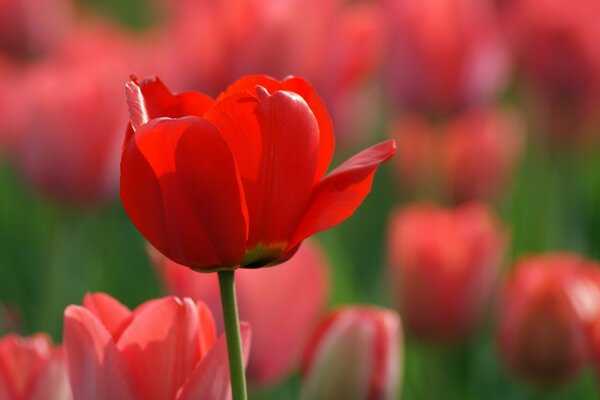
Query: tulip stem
(232, 332)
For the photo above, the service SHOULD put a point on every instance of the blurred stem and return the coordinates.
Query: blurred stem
(232, 332)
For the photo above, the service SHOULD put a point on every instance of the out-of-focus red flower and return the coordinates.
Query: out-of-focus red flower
(238, 181)
(266, 298)
(356, 354)
(443, 265)
(443, 54)
(547, 306)
(12, 107)
(470, 157)
(33, 26)
(165, 349)
(32, 368)
(69, 138)
(335, 45)
(557, 46)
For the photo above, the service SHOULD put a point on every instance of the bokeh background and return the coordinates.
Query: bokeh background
(495, 102)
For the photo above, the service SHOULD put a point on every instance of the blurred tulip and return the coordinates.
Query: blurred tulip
(33, 26)
(12, 107)
(471, 157)
(267, 298)
(443, 266)
(547, 303)
(443, 54)
(557, 45)
(335, 45)
(165, 349)
(354, 354)
(31, 369)
(239, 181)
(69, 143)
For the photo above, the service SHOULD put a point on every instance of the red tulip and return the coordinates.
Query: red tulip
(443, 54)
(354, 354)
(237, 181)
(31, 369)
(267, 298)
(545, 309)
(557, 46)
(165, 349)
(471, 156)
(444, 264)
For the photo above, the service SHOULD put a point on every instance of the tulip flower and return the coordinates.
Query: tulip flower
(354, 354)
(546, 307)
(471, 157)
(32, 368)
(557, 48)
(443, 267)
(165, 349)
(443, 55)
(239, 181)
(267, 299)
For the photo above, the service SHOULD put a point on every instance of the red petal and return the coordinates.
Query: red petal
(208, 329)
(274, 139)
(96, 369)
(161, 346)
(211, 378)
(150, 99)
(113, 315)
(342, 191)
(181, 188)
(308, 93)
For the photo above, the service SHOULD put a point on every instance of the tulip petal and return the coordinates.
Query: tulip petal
(20, 361)
(52, 382)
(181, 188)
(161, 346)
(210, 379)
(96, 369)
(113, 315)
(275, 140)
(308, 93)
(208, 329)
(342, 191)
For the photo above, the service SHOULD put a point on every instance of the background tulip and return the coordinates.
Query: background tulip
(31, 368)
(267, 298)
(443, 267)
(354, 354)
(165, 349)
(542, 325)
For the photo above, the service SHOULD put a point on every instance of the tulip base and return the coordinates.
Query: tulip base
(232, 332)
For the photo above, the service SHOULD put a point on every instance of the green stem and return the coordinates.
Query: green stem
(232, 331)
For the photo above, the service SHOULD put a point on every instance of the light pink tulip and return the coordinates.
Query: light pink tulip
(164, 349)
(549, 305)
(443, 267)
(281, 304)
(443, 54)
(32, 369)
(354, 354)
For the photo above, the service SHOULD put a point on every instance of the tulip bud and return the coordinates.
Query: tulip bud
(546, 306)
(354, 354)
(443, 267)
(31, 368)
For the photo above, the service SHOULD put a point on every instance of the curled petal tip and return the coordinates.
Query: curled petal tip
(138, 114)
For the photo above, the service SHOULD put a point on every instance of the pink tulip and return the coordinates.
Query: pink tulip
(470, 157)
(354, 354)
(33, 26)
(443, 54)
(557, 46)
(281, 304)
(547, 304)
(443, 267)
(68, 146)
(164, 349)
(31, 369)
